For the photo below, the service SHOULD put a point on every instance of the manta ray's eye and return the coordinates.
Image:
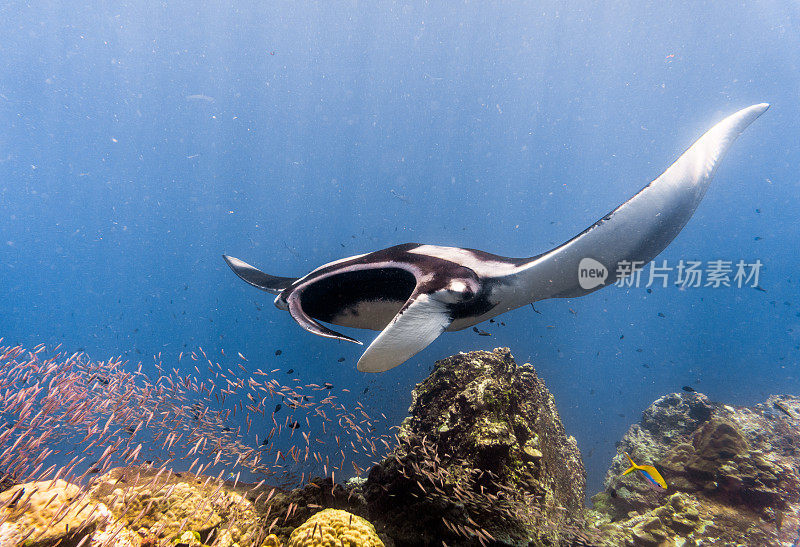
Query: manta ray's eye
(461, 289)
(457, 286)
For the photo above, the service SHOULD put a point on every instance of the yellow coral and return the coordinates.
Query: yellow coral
(333, 527)
(46, 511)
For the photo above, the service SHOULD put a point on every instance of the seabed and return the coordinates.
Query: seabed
(481, 459)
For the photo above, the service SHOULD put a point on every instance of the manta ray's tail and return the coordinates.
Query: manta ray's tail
(638, 230)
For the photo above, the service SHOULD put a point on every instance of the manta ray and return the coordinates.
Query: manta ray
(413, 292)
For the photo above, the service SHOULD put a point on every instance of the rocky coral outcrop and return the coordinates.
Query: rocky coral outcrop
(483, 457)
(737, 466)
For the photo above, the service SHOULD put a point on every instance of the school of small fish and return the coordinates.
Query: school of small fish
(69, 417)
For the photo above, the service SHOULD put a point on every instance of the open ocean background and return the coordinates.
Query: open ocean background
(141, 140)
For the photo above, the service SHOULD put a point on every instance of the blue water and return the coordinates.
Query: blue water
(142, 140)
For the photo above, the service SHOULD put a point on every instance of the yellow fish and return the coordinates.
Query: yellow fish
(650, 473)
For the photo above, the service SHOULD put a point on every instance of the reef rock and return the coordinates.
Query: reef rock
(737, 467)
(482, 457)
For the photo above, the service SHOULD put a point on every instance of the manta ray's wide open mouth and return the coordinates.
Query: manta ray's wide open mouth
(366, 298)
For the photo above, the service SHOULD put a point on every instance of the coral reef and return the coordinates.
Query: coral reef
(736, 468)
(334, 527)
(482, 457)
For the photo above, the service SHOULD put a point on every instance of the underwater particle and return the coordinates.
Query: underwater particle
(760, 288)
(690, 389)
(366, 389)
(327, 385)
(277, 408)
(294, 425)
(278, 352)
(621, 336)
(758, 211)
(758, 238)
(649, 291)
(661, 314)
(341, 359)
(290, 371)
(200, 97)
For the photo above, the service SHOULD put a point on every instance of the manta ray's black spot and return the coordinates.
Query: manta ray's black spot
(327, 297)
